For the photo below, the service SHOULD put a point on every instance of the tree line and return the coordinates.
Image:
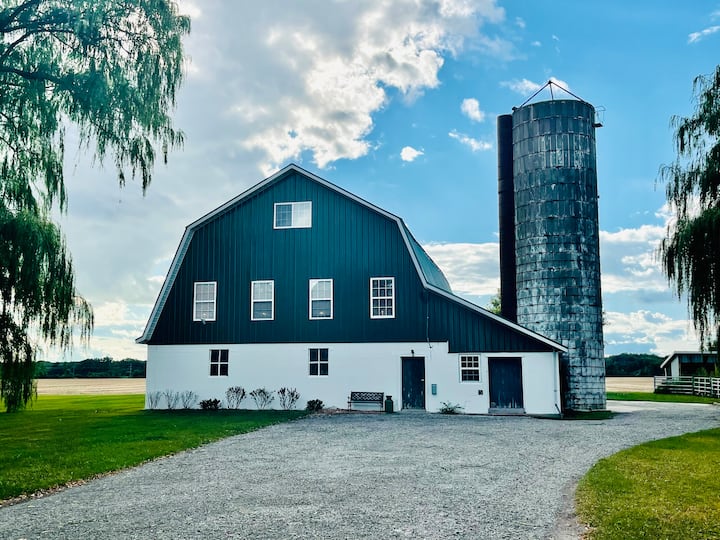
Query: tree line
(91, 368)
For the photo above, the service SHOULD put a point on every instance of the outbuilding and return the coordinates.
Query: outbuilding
(298, 283)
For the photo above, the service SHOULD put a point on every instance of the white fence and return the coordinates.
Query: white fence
(697, 386)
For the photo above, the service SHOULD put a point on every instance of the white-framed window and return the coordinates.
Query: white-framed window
(204, 301)
(469, 368)
(219, 362)
(293, 215)
(382, 298)
(262, 300)
(321, 298)
(319, 362)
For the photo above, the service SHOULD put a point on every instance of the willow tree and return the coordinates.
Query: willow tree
(111, 69)
(690, 253)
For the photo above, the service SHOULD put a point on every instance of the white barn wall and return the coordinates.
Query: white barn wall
(352, 367)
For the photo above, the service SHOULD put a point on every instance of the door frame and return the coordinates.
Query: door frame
(419, 384)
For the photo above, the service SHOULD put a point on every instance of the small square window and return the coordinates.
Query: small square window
(319, 362)
(219, 362)
(293, 215)
(470, 368)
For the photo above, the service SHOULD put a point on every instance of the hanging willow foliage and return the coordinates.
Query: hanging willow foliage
(111, 68)
(690, 253)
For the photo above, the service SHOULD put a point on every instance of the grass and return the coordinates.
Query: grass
(63, 439)
(669, 398)
(661, 489)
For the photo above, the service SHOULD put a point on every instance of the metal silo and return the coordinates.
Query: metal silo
(556, 237)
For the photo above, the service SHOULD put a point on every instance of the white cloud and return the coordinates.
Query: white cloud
(694, 37)
(475, 145)
(472, 269)
(536, 44)
(409, 153)
(526, 87)
(520, 22)
(658, 333)
(471, 108)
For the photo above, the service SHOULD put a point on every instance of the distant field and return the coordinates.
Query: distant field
(629, 384)
(72, 387)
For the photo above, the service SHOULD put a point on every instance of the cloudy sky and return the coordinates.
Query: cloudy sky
(396, 101)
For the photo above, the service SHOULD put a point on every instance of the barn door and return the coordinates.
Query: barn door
(413, 382)
(506, 391)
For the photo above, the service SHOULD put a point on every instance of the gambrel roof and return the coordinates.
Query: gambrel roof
(429, 273)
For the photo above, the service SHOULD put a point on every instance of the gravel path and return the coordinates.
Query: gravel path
(407, 475)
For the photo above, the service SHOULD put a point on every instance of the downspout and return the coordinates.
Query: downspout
(556, 378)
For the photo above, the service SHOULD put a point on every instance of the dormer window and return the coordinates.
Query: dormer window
(293, 215)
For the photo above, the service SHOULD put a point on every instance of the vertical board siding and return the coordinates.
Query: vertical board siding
(348, 242)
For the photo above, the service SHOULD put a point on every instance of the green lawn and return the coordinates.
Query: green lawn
(649, 396)
(662, 489)
(66, 438)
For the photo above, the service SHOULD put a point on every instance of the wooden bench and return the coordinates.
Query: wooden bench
(366, 397)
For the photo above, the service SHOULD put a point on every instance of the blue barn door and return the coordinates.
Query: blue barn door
(506, 391)
(413, 382)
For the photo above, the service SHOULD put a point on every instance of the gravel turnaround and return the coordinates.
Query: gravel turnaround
(406, 475)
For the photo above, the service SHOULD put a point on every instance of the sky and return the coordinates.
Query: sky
(396, 101)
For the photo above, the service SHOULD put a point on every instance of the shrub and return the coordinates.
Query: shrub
(314, 405)
(210, 404)
(288, 397)
(171, 398)
(262, 397)
(153, 399)
(234, 396)
(449, 408)
(189, 399)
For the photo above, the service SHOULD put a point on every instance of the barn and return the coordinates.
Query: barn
(298, 283)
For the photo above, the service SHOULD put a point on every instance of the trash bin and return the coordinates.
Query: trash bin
(388, 404)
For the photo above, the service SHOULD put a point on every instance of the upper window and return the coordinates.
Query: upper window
(262, 300)
(219, 362)
(321, 298)
(470, 368)
(204, 301)
(293, 215)
(319, 362)
(382, 298)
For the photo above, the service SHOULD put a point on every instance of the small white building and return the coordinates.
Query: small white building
(298, 283)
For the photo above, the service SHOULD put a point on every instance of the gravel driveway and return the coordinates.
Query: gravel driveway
(407, 475)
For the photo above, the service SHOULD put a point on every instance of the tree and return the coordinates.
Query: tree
(495, 304)
(690, 252)
(110, 68)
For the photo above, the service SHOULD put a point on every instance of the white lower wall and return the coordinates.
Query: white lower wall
(374, 367)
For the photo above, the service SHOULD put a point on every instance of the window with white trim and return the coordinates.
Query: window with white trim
(219, 362)
(470, 368)
(262, 300)
(382, 298)
(204, 301)
(319, 362)
(293, 215)
(321, 299)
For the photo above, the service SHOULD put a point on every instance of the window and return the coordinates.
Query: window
(382, 298)
(218, 362)
(319, 362)
(321, 298)
(204, 301)
(293, 215)
(262, 300)
(469, 368)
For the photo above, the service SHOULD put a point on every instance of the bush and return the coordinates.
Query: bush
(210, 404)
(188, 399)
(171, 398)
(262, 397)
(288, 397)
(234, 396)
(153, 399)
(449, 408)
(314, 405)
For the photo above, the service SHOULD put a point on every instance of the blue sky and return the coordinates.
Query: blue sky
(396, 101)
